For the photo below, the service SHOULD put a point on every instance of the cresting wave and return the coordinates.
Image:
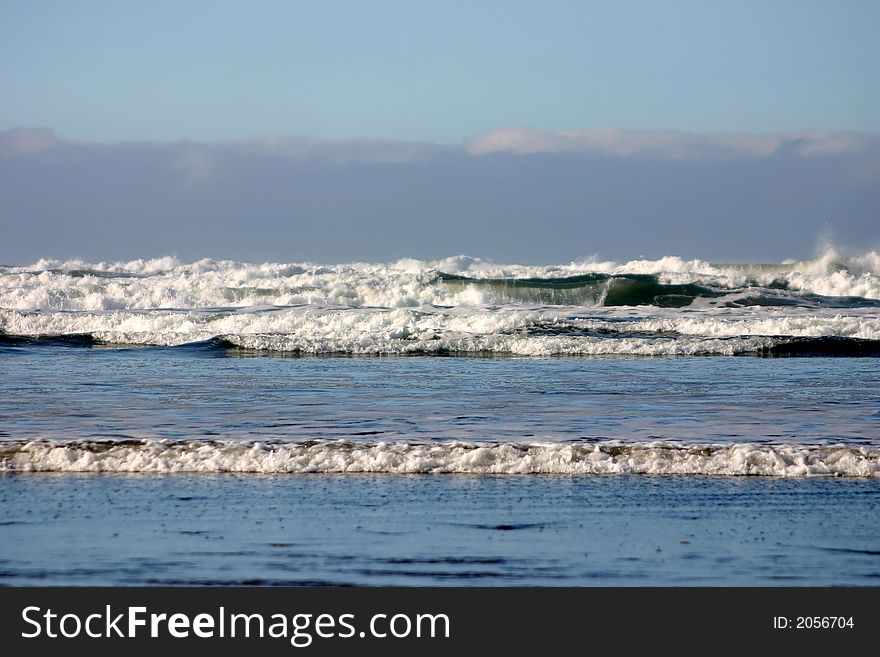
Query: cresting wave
(460, 305)
(602, 458)
(456, 281)
(504, 331)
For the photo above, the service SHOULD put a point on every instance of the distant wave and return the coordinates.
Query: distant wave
(671, 281)
(460, 305)
(586, 290)
(291, 345)
(602, 458)
(516, 330)
(645, 290)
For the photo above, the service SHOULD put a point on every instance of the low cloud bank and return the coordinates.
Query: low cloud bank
(673, 145)
(509, 195)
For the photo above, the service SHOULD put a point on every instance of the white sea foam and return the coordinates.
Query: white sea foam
(408, 306)
(166, 283)
(511, 329)
(658, 458)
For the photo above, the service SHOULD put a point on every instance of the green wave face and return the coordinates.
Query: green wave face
(646, 290)
(587, 290)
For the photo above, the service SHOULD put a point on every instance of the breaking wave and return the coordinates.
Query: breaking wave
(460, 305)
(600, 458)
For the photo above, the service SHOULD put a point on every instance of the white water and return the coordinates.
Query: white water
(500, 330)
(405, 307)
(165, 283)
(658, 458)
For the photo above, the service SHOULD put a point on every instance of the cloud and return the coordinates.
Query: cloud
(23, 141)
(669, 144)
(376, 151)
(620, 194)
(200, 163)
(196, 164)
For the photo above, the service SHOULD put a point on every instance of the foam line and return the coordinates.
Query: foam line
(605, 458)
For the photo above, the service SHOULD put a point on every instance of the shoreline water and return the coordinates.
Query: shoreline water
(415, 530)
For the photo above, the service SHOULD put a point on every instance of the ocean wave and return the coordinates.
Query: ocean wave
(459, 281)
(508, 330)
(461, 305)
(505, 330)
(600, 458)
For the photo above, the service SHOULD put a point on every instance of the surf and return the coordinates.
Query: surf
(343, 457)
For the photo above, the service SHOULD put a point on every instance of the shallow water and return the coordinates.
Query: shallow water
(437, 530)
(185, 393)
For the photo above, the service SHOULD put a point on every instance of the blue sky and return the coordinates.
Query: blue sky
(435, 71)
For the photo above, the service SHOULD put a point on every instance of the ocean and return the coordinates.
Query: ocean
(453, 422)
